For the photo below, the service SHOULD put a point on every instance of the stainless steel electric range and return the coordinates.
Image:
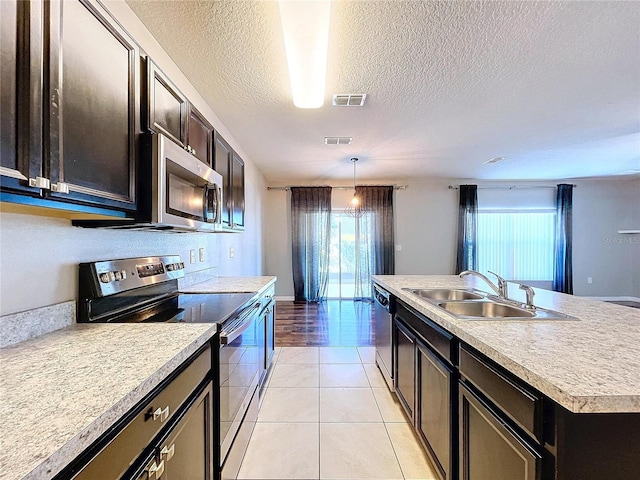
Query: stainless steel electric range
(145, 290)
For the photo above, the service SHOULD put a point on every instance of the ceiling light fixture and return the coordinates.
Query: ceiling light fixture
(354, 208)
(305, 28)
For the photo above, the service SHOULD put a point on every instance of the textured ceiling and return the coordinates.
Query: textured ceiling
(553, 86)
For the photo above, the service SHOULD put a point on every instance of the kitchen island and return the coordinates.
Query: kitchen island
(519, 398)
(589, 365)
(60, 392)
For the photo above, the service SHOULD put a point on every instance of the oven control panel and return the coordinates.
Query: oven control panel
(113, 276)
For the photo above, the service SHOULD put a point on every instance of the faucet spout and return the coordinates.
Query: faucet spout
(500, 289)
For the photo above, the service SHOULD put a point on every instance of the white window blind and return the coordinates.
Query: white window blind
(517, 244)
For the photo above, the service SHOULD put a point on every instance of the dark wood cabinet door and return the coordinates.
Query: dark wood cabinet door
(199, 136)
(434, 422)
(20, 96)
(187, 452)
(222, 164)
(166, 106)
(405, 364)
(93, 106)
(489, 449)
(237, 190)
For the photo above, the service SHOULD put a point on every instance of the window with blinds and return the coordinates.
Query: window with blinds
(516, 244)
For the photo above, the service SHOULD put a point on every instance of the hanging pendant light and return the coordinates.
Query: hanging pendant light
(354, 208)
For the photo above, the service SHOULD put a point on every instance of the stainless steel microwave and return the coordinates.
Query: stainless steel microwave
(178, 192)
(186, 193)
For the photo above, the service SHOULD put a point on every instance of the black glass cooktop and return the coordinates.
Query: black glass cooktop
(210, 307)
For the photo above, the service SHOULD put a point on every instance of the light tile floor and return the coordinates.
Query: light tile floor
(327, 414)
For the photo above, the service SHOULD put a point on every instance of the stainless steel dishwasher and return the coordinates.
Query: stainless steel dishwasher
(384, 308)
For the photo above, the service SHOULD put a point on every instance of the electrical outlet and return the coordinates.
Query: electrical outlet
(192, 256)
(589, 280)
(201, 254)
(232, 252)
(398, 248)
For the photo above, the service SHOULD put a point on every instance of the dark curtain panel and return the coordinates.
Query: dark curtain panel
(467, 229)
(375, 251)
(563, 269)
(311, 227)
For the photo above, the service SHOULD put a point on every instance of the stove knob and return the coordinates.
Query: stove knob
(117, 275)
(107, 277)
(123, 273)
(171, 267)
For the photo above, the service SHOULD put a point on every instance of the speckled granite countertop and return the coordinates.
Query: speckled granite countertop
(231, 285)
(59, 392)
(591, 365)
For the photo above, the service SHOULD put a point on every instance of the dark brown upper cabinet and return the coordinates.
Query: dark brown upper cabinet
(167, 107)
(72, 120)
(222, 164)
(170, 112)
(93, 106)
(21, 57)
(228, 164)
(237, 192)
(199, 136)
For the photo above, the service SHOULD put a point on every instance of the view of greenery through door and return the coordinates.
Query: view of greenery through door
(342, 247)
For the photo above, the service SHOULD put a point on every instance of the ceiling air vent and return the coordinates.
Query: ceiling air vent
(349, 99)
(338, 140)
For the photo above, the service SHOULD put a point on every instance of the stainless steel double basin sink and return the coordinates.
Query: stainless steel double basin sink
(472, 304)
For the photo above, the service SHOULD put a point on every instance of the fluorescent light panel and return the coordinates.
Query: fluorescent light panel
(305, 28)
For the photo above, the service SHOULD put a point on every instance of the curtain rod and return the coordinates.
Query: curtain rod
(288, 187)
(510, 187)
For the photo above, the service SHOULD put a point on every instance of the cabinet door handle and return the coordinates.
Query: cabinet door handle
(168, 452)
(156, 470)
(161, 413)
(40, 182)
(60, 187)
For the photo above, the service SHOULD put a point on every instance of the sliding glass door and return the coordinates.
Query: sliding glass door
(342, 250)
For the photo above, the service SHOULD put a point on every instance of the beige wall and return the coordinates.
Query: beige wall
(425, 222)
(39, 255)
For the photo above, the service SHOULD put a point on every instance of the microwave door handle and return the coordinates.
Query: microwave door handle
(217, 195)
(205, 202)
(218, 204)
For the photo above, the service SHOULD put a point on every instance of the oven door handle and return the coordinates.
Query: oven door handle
(238, 327)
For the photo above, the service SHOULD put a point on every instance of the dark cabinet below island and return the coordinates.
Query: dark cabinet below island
(477, 420)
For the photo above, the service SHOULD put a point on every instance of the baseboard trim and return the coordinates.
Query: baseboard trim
(284, 298)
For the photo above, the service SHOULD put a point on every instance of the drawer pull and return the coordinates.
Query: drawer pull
(40, 182)
(168, 452)
(160, 413)
(156, 470)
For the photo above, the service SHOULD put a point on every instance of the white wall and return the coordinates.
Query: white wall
(601, 208)
(39, 255)
(426, 223)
